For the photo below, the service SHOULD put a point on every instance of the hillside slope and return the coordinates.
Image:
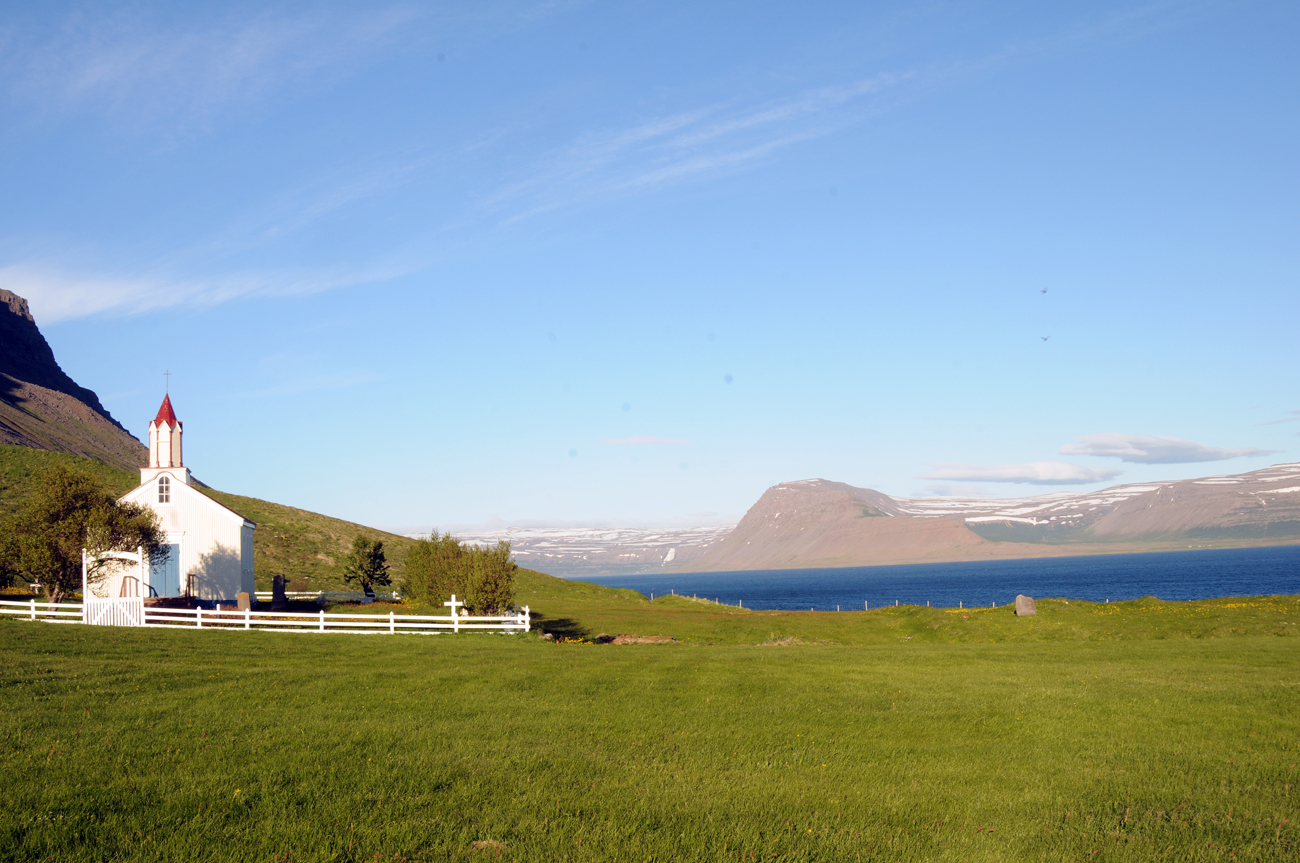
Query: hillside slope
(41, 407)
(307, 548)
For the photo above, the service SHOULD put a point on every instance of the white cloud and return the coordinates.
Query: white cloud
(1034, 472)
(641, 440)
(57, 296)
(1153, 449)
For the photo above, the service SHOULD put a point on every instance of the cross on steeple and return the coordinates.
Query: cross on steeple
(167, 388)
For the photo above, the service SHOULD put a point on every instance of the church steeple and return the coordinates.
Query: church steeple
(165, 437)
(165, 452)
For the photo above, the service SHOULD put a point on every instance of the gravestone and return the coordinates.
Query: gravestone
(243, 601)
(1025, 605)
(278, 599)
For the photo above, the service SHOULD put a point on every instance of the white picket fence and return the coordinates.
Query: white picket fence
(66, 612)
(116, 612)
(332, 595)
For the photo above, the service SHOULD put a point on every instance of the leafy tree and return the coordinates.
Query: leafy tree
(366, 564)
(68, 511)
(483, 578)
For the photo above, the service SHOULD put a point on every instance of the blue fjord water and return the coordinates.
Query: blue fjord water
(1196, 574)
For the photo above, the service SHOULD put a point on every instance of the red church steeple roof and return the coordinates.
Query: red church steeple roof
(166, 414)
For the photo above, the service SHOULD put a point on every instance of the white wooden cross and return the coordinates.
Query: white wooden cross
(453, 604)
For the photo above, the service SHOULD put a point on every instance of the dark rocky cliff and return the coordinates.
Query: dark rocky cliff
(41, 407)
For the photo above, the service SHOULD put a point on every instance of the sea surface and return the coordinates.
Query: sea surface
(1196, 574)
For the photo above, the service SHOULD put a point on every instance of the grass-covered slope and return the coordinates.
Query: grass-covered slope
(305, 547)
(19, 464)
(179, 745)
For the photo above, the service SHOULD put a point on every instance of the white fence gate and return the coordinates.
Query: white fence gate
(125, 611)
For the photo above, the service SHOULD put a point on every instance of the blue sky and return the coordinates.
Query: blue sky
(424, 264)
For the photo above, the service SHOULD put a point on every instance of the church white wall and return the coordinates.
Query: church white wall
(216, 560)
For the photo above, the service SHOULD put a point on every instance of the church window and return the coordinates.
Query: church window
(164, 489)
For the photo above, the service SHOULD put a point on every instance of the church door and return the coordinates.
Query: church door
(165, 573)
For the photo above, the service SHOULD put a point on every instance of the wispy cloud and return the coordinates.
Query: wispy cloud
(684, 145)
(641, 440)
(689, 145)
(1285, 420)
(1154, 449)
(134, 66)
(1034, 473)
(57, 295)
(184, 71)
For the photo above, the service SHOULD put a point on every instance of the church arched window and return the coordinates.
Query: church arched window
(164, 489)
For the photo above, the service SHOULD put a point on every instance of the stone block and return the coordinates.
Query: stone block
(1025, 605)
(243, 601)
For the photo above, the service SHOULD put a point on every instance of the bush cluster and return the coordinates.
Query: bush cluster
(483, 578)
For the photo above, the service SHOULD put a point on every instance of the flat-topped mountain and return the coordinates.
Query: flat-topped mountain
(43, 408)
(817, 523)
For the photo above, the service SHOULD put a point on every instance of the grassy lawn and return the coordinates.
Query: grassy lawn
(583, 610)
(1136, 731)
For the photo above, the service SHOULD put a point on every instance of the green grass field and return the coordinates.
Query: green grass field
(1133, 731)
(1137, 730)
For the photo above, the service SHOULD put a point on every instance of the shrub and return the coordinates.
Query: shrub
(483, 578)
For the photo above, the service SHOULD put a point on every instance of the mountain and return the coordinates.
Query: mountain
(816, 523)
(41, 407)
(1255, 508)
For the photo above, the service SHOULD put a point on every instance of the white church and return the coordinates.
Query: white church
(209, 547)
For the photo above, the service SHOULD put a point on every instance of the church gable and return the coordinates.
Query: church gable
(151, 494)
